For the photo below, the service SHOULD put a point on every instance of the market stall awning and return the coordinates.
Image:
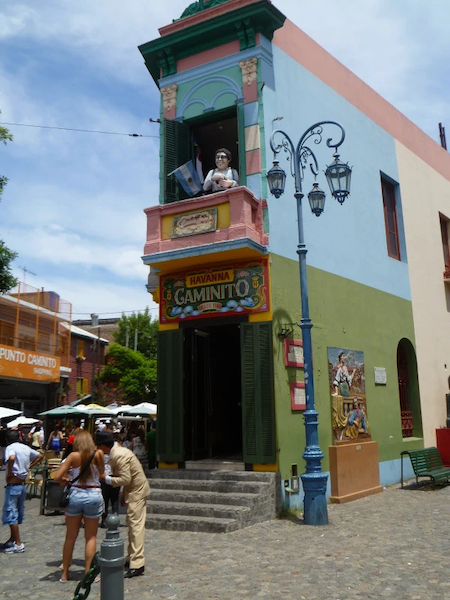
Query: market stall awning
(144, 409)
(8, 412)
(21, 421)
(95, 410)
(63, 411)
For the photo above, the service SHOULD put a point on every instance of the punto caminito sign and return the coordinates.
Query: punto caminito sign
(220, 291)
(23, 364)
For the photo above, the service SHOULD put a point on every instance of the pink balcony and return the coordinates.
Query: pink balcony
(243, 215)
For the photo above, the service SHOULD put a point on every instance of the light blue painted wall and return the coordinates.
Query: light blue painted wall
(348, 240)
(390, 471)
(251, 111)
(254, 184)
(390, 474)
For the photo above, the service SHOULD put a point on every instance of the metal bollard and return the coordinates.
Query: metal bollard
(111, 561)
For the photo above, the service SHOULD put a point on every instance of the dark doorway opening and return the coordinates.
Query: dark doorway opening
(213, 413)
(220, 133)
(403, 389)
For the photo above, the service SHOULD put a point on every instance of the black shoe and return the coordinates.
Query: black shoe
(134, 572)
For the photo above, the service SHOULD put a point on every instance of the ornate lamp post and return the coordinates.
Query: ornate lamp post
(338, 176)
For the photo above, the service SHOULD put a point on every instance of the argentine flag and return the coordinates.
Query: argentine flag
(188, 178)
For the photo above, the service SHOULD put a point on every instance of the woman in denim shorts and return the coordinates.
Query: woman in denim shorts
(86, 501)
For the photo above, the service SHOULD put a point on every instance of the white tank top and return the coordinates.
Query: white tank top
(92, 478)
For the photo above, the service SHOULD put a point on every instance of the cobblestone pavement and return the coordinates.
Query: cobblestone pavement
(392, 545)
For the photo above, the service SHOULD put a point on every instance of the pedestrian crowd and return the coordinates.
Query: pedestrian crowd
(98, 472)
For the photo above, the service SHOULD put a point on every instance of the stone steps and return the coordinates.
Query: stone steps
(211, 501)
(211, 475)
(200, 497)
(221, 486)
(212, 465)
(216, 511)
(186, 523)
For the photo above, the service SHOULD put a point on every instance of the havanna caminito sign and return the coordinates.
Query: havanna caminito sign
(222, 290)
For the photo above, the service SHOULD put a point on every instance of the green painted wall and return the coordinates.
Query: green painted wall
(348, 315)
(208, 91)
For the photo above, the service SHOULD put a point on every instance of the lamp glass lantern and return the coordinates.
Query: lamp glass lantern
(276, 178)
(316, 199)
(339, 175)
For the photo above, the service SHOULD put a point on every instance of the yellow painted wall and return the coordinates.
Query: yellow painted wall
(223, 219)
(424, 195)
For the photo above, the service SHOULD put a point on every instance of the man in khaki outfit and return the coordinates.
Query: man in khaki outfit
(127, 471)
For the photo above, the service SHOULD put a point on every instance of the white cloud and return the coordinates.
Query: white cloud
(398, 48)
(108, 31)
(64, 248)
(74, 201)
(108, 299)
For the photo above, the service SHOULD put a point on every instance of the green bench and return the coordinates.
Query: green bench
(427, 463)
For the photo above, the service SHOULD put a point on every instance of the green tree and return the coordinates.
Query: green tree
(5, 137)
(7, 281)
(146, 332)
(131, 374)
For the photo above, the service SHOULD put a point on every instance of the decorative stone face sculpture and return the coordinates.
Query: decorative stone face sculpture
(223, 176)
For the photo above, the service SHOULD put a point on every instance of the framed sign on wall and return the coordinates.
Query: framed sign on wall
(293, 353)
(298, 395)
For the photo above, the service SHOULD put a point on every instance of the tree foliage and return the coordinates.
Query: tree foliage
(7, 281)
(5, 136)
(146, 332)
(129, 375)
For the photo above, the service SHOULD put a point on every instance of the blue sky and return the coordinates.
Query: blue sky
(73, 208)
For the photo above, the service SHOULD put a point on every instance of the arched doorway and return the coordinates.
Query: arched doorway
(408, 389)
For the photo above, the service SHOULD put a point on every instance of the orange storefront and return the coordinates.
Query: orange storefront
(24, 364)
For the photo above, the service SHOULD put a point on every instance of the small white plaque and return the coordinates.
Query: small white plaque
(380, 375)
(299, 396)
(295, 354)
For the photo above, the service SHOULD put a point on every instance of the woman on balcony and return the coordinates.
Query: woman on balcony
(223, 177)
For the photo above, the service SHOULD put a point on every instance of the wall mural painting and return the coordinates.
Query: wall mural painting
(348, 395)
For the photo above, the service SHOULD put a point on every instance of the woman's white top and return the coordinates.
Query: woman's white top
(229, 174)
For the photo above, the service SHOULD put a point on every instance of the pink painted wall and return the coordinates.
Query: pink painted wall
(323, 65)
(208, 56)
(253, 162)
(246, 220)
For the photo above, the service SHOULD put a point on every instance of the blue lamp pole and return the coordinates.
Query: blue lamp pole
(338, 175)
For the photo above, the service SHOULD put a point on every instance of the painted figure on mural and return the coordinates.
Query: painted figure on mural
(348, 395)
(357, 420)
(343, 381)
(223, 176)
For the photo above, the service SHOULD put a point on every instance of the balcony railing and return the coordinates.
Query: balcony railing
(238, 213)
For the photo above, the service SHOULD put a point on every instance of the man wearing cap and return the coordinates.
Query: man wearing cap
(127, 471)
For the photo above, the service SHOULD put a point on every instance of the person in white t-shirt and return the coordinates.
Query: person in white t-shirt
(19, 459)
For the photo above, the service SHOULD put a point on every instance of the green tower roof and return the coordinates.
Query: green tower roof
(197, 7)
(241, 24)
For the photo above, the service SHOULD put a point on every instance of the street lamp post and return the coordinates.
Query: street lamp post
(338, 176)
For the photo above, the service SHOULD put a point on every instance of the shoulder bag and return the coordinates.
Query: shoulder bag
(64, 500)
